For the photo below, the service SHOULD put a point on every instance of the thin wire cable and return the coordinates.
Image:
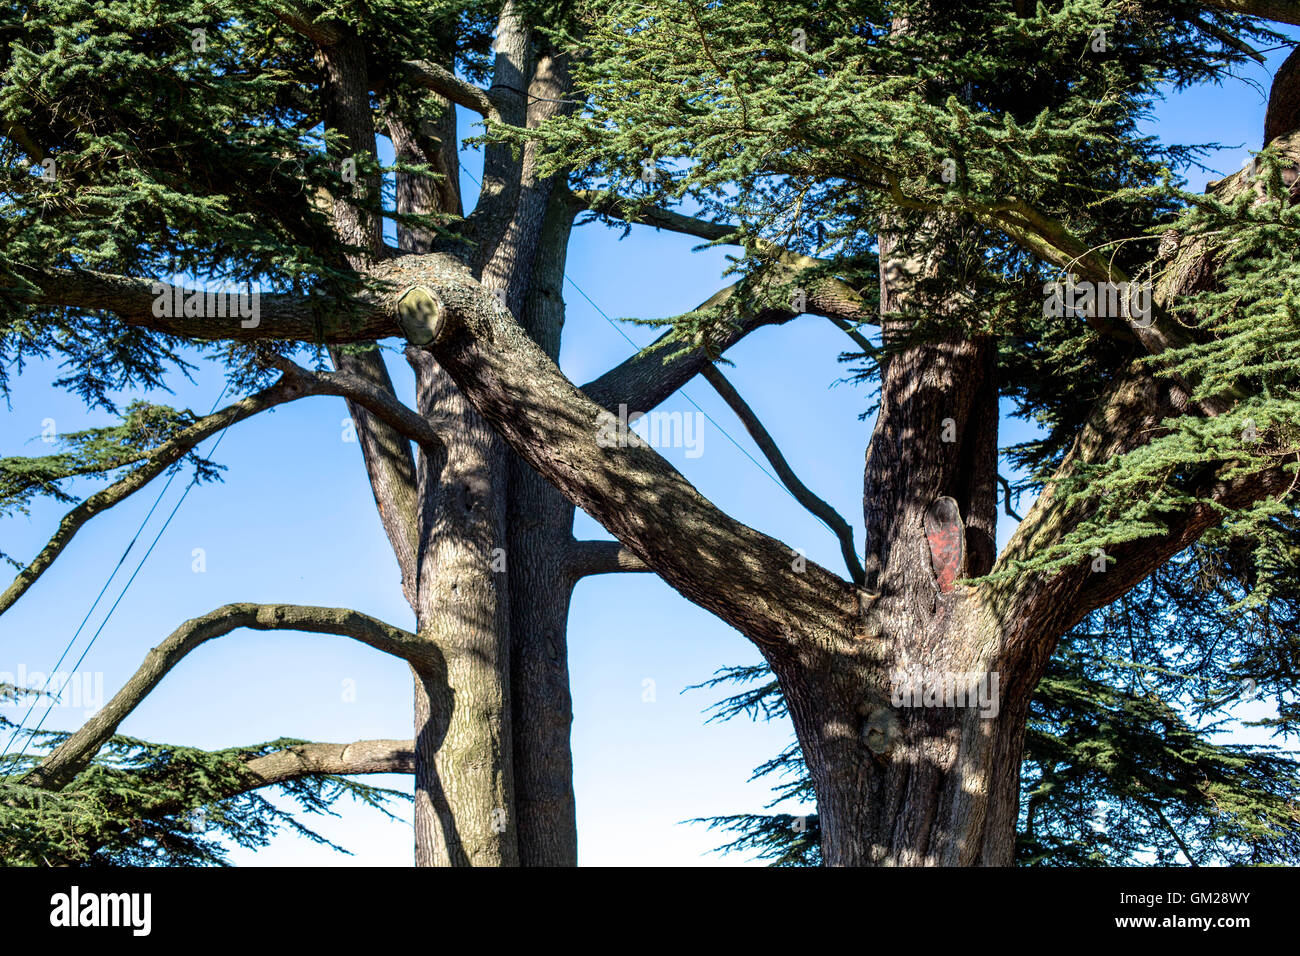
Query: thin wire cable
(32, 734)
(617, 328)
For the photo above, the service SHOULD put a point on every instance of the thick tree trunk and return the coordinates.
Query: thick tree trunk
(912, 733)
(908, 769)
(542, 705)
(540, 531)
(464, 808)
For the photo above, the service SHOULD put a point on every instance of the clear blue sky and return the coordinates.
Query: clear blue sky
(294, 522)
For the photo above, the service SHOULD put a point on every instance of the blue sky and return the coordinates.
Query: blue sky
(294, 522)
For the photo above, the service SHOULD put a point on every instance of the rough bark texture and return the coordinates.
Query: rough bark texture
(463, 609)
(483, 534)
(540, 532)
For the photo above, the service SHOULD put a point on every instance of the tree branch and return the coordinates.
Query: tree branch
(743, 576)
(1281, 11)
(447, 84)
(369, 394)
(288, 317)
(839, 527)
(614, 206)
(1006, 499)
(314, 759)
(584, 558)
(76, 753)
(647, 378)
(322, 33)
(165, 455)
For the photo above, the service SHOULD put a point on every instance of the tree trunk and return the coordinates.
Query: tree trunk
(909, 772)
(464, 809)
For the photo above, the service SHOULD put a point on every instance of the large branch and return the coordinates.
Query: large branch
(584, 558)
(447, 84)
(839, 527)
(647, 378)
(76, 753)
(316, 759)
(745, 577)
(369, 392)
(1036, 610)
(1280, 11)
(288, 317)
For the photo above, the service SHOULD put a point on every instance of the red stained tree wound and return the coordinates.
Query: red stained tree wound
(947, 539)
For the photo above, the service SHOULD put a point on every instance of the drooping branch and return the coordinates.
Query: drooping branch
(585, 558)
(368, 393)
(1006, 499)
(164, 456)
(833, 519)
(447, 84)
(75, 753)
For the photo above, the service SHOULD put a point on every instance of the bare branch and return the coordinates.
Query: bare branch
(76, 753)
(616, 207)
(290, 317)
(158, 461)
(1006, 499)
(314, 759)
(860, 340)
(367, 392)
(600, 557)
(839, 527)
(447, 84)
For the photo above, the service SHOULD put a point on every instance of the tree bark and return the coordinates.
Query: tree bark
(464, 808)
